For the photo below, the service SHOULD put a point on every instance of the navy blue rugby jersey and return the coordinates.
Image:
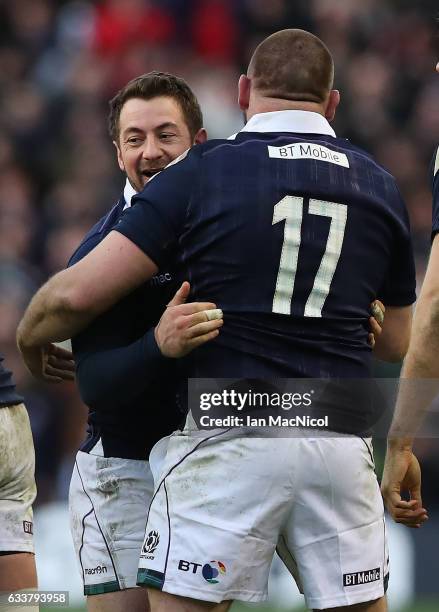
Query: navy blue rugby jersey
(128, 385)
(8, 394)
(292, 232)
(435, 187)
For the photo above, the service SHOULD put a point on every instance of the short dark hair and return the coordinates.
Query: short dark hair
(292, 65)
(152, 85)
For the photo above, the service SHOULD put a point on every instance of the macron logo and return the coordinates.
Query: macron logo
(309, 150)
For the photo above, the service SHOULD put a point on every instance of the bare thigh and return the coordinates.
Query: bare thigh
(17, 571)
(164, 602)
(134, 600)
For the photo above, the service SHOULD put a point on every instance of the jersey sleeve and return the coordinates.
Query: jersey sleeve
(434, 169)
(399, 288)
(158, 215)
(106, 375)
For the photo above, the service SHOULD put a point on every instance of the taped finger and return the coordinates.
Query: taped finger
(213, 313)
(377, 312)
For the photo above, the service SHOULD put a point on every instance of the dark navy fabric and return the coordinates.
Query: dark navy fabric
(435, 188)
(212, 213)
(8, 394)
(122, 376)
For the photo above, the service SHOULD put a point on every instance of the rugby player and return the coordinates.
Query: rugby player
(123, 359)
(420, 386)
(293, 232)
(17, 492)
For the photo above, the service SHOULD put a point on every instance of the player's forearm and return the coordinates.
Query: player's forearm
(51, 316)
(120, 374)
(419, 383)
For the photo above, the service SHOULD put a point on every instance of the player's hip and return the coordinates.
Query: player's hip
(108, 502)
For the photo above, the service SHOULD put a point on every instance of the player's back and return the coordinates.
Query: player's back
(293, 235)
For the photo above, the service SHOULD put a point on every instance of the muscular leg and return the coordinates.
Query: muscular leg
(379, 605)
(164, 602)
(17, 571)
(134, 600)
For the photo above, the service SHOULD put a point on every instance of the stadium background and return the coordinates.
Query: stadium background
(60, 62)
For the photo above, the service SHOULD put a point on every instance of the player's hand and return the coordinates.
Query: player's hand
(376, 321)
(49, 363)
(402, 474)
(183, 327)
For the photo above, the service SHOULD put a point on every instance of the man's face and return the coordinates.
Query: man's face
(152, 133)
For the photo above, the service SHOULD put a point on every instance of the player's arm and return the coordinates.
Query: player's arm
(392, 342)
(72, 298)
(107, 374)
(418, 388)
(125, 259)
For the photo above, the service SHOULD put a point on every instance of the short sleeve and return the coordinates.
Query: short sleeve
(158, 214)
(399, 288)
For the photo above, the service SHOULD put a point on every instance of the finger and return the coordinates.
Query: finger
(213, 313)
(201, 317)
(416, 523)
(61, 363)
(203, 328)
(409, 518)
(377, 312)
(406, 505)
(381, 305)
(192, 307)
(200, 340)
(371, 340)
(181, 295)
(51, 379)
(58, 351)
(418, 512)
(375, 328)
(57, 373)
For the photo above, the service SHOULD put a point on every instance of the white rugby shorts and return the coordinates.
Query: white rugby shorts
(17, 480)
(108, 502)
(223, 504)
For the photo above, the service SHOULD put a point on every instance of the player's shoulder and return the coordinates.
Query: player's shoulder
(365, 157)
(210, 146)
(97, 233)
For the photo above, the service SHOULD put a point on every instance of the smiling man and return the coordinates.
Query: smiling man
(123, 359)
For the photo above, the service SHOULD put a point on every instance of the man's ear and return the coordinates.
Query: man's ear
(200, 136)
(119, 157)
(244, 86)
(333, 102)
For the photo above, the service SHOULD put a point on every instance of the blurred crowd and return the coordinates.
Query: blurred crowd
(60, 63)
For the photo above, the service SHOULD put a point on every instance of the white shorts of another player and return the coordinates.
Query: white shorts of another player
(108, 502)
(17, 480)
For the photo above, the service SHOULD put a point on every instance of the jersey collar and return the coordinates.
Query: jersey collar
(295, 121)
(128, 193)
